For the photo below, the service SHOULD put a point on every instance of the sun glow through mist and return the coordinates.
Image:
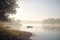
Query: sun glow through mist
(37, 10)
(24, 13)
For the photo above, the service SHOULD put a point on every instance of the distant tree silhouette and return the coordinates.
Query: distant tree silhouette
(52, 21)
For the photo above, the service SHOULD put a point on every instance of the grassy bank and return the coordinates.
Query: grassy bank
(8, 34)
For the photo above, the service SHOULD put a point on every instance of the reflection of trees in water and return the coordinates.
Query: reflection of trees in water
(51, 27)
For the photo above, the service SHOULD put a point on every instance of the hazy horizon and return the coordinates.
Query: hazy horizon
(38, 9)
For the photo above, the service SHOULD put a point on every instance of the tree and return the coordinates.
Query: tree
(52, 21)
(7, 7)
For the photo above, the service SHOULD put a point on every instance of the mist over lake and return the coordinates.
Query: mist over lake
(39, 33)
(38, 30)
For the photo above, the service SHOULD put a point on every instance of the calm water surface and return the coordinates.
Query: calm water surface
(40, 34)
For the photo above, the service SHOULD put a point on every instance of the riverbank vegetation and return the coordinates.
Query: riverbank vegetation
(8, 34)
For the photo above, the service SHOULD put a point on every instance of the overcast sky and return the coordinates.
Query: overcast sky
(38, 9)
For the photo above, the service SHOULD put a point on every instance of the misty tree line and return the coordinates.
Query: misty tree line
(7, 7)
(51, 24)
(52, 21)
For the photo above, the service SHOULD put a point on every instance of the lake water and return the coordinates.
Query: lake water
(37, 30)
(47, 36)
(40, 34)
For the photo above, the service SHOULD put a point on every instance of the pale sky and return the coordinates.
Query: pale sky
(38, 9)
